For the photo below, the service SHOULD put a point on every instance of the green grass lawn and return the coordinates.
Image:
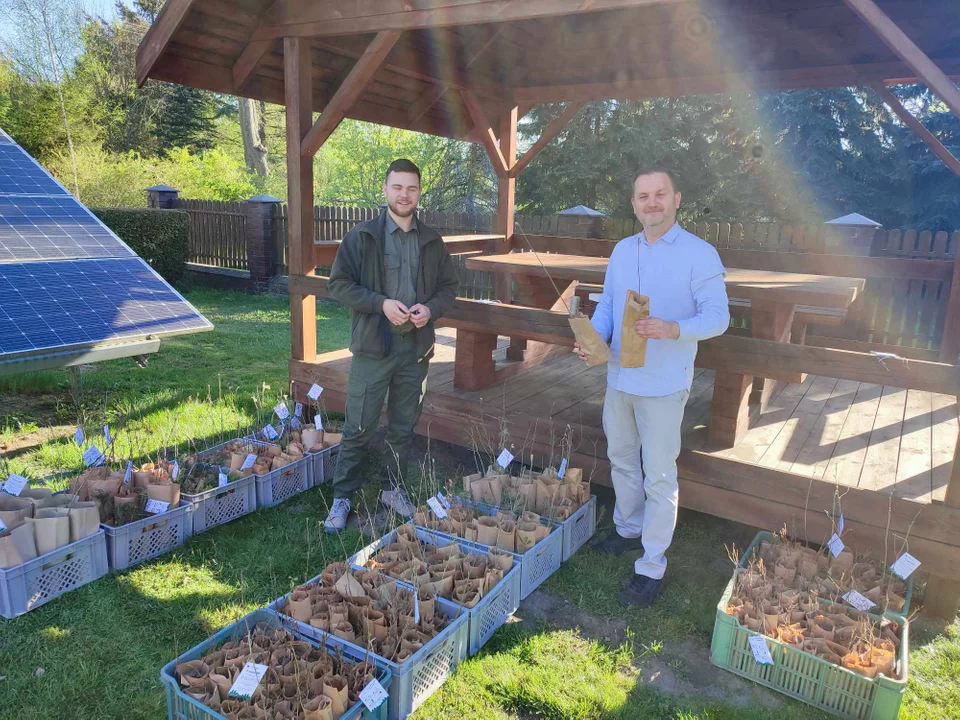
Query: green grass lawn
(97, 652)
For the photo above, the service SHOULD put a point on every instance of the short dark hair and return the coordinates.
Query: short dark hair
(653, 169)
(403, 165)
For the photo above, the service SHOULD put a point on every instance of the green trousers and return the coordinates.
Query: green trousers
(405, 378)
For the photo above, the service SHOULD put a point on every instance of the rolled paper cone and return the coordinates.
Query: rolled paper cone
(193, 673)
(541, 531)
(318, 708)
(785, 570)
(507, 535)
(502, 560)
(299, 609)
(487, 490)
(842, 562)
(526, 536)
(752, 621)
(335, 688)
(487, 530)
(633, 348)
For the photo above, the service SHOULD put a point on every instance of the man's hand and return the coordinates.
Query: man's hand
(657, 329)
(580, 353)
(420, 314)
(396, 311)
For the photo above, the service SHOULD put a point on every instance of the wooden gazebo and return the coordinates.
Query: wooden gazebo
(470, 69)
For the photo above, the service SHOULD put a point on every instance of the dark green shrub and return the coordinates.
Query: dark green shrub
(158, 236)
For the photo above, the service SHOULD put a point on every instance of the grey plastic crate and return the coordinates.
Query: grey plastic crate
(182, 707)
(220, 505)
(322, 465)
(579, 527)
(283, 483)
(423, 673)
(143, 539)
(28, 586)
(488, 614)
(539, 562)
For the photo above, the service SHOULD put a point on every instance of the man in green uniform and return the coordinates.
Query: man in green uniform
(397, 278)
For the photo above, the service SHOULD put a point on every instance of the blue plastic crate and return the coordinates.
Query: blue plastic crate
(487, 615)
(144, 539)
(182, 707)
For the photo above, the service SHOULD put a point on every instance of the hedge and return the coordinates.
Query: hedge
(158, 236)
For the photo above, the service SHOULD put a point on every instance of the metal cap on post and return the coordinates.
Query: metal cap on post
(162, 197)
(262, 255)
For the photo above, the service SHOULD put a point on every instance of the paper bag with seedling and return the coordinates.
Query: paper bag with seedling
(633, 348)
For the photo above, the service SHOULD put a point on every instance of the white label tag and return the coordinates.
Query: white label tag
(282, 412)
(106, 435)
(416, 607)
(858, 601)
(295, 423)
(563, 468)
(506, 457)
(373, 695)
(441, 498)
(840, 525)
(835, 544)
(155, 507)
(222, 479)
(315, 391)
(761, 653)
(437, 508)
(3, 526)
(298, 410)
(905, 565)
(175, 471)
(78, 437)
(128, 473)
(269, 432)
(248, 680)
(92, 456)
(15, 484)
(249, 462)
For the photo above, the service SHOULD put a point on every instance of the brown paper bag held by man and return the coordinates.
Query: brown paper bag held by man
(397, 278)
(681, 277)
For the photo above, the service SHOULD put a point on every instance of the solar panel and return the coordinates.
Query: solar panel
(21, 175)
(67, 282)
(47, 305)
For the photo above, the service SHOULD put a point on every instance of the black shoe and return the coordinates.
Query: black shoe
(616, 544)
(641, 592)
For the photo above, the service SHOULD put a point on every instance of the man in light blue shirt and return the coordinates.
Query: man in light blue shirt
(643, 407)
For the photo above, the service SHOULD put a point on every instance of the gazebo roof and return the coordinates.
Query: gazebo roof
(581, 210)
(536, 51)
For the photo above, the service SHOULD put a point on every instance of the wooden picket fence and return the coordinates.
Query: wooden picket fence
(217, 233)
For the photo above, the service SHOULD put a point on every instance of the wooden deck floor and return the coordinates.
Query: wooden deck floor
(855, 434)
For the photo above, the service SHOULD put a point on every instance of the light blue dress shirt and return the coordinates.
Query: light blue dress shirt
(684, 279)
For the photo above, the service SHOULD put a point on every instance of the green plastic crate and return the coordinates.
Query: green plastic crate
(806, 677)
(764, 536)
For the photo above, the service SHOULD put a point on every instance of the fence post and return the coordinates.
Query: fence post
(162, 197)
(261, 254)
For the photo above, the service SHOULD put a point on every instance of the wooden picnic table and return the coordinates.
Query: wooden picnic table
(773, 296)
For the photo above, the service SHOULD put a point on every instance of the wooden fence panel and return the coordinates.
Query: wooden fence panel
(217, 233)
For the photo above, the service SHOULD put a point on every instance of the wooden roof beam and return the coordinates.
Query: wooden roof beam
(486, 135)
(296, 18)
(248, 61)
(894, 38)
(349, 91)
(929, 139)
(169, 20)
(554, 128)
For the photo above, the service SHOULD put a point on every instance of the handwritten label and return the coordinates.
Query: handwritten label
(315, 391)
(506, 457)
(835, 544)
(78, 437)
(563, 468)
(128, 473)
(15, 484)
(269, 432)
(155, 507)
(840, 525)
(281, 410)
(858, 601)
(175, 471)
(442, 499)
(248, 680)
(298, 410)
(92, 456)
(222, 479)
(373, 695)
(437, 508)
(761, 653)
(106, 435)
(905, 565)
(249, 462)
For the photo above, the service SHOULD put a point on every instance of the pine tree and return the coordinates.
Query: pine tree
(187, 120)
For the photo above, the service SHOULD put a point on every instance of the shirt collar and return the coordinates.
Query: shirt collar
(670, 236)
(392, 226)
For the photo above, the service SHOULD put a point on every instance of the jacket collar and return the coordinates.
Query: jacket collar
(377, 229)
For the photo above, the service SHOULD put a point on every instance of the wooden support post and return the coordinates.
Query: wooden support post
(950, 341)
(474, 367)
(730, 409)
(506, 201)
(773, 323)
(943, 595)
(298, 94)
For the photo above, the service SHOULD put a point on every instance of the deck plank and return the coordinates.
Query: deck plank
(880, 464)
(846, 464)
(916, 454)
(790, 440)
(814, 456)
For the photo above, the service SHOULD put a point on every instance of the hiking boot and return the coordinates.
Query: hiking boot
(398, 501)
(337, 519)
(641, 592)
(616, 544)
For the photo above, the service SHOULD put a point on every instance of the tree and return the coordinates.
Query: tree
(187, 120)
(253, 129)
